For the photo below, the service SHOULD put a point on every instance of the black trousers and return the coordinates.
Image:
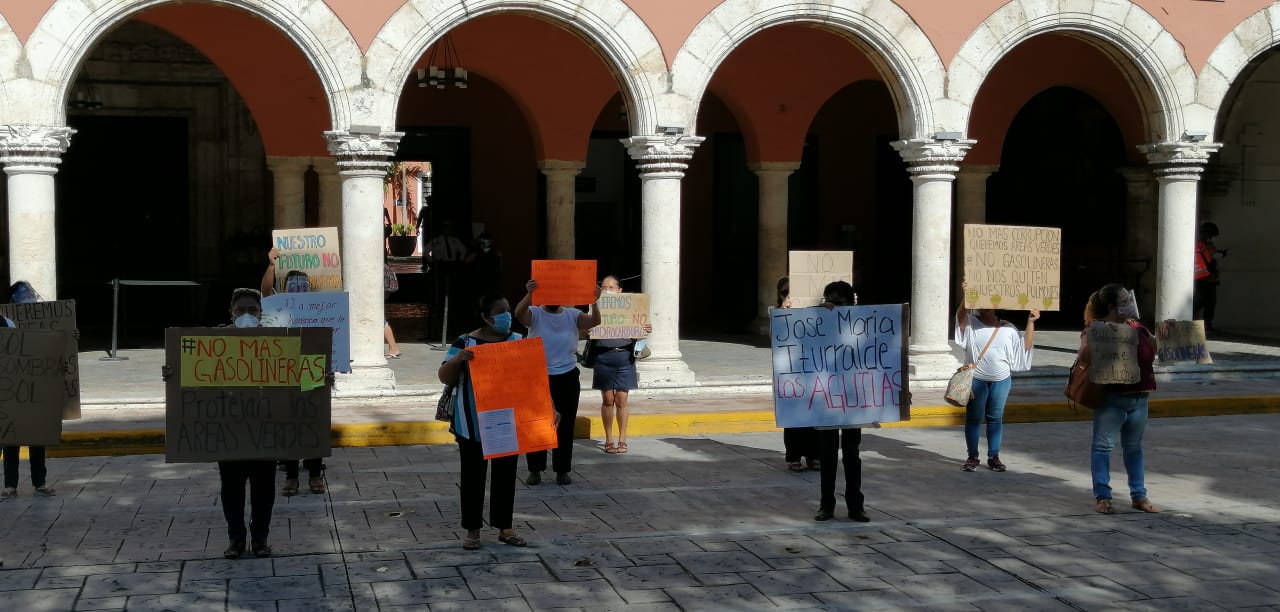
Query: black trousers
(846, 441)
(315, 468)
(502, 489)
(1205, 298)
(800, 442)
(262, 496)
(566, 391)
(35, 454)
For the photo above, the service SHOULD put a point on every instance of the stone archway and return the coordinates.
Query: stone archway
(1249, 40)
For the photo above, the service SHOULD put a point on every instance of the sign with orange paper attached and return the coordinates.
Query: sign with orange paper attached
(514, 412)
(566, 282)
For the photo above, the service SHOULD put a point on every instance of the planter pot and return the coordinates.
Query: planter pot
(402, 246)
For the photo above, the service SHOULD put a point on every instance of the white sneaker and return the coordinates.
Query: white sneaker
(8, 492)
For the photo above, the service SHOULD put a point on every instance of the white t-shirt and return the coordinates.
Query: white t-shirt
(559, 333)
(1008, 353)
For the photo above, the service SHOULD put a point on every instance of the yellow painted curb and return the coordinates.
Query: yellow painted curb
(148, 441)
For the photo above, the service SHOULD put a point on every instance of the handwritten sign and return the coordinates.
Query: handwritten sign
(809, 272)
(324, 309)
(256, 393)
(57, 316)
(1113, 354)
(33, 374)
(1012, 267)
(513, 398)
(1182, 341)
(839, 367)
(564, 282)
(313, 250)
(622, 315)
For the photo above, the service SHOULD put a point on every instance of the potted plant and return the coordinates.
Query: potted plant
(402, 243)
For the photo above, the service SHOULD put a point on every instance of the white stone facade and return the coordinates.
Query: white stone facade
(1180, 104)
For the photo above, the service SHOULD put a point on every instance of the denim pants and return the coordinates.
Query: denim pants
(988, 401)
(35, 454)
(1125, 415)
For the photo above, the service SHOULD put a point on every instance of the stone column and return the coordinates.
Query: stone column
(933, 165)
(771, 261)
(362, 164)
(561, 206)
(1177, 166)
(289, 174)
(1141, 227)
(330, 186)
(31, 154)
(662, 161)
(971, 207)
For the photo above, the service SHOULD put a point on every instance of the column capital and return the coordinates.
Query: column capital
(363, 153)
(1179, 160)
(761, 168)
(36, 147)
(556, 166)
(931, 158)
(662, 156)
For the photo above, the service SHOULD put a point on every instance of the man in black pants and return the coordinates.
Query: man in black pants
(843, 441)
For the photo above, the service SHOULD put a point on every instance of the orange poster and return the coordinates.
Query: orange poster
(514, 413)
(564, 282)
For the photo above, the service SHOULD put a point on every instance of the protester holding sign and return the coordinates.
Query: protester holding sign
(22, 292)
(495, 314)
(614, 375)
(298, 282)
(1123, 409)
(834, 440)
(797, 442)
(559, 327)
(996, 349)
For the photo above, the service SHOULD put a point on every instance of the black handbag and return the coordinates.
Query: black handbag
(587, 358)
(444, 407)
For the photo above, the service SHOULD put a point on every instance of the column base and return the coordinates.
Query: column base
(930, 368)
(365, 381)
(659, 373)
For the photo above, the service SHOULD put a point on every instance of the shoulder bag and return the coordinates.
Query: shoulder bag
(1080, 391)
(444, 407)
(960, 387)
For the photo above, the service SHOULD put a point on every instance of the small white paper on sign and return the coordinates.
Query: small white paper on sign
(498, 431)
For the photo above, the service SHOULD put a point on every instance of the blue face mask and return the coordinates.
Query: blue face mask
(247, 320)
(502, 323)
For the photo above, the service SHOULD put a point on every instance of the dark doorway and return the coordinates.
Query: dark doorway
(607, 218)
(123, 212)
(1073, 184)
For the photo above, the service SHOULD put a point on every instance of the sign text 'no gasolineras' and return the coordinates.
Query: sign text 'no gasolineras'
(246, 361)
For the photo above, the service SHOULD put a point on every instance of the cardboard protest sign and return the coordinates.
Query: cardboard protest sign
(809, 272)
(1182, 341)
(330, 309)
(622, 315)
(59, 316)
(513, 398)
(313, 250)
(845, 366)
(1113, 354)
(1012, 267)
(33, 375)
(254, 393)
(564, 281)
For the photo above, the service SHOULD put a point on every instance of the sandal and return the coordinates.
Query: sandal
(290, 487)
(512, 540)
(392, 355)
(317, 484)
(622, 448)
(610, 448)
(471, 543)
(1103, 506)
(1145, 505)
(795, 466)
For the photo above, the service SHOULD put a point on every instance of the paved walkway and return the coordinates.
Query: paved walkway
(679, 523)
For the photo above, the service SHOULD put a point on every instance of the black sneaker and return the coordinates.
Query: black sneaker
(995, 464)
(234, 550)
(971, 464)
(534, 478)
(824, 514)
(562, 478)
(859, 515)
(260, 548)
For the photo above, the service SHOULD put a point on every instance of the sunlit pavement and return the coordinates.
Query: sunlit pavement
(679, 523)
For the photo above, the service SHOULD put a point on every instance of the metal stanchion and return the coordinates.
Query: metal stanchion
(444, 320)
(112, 355)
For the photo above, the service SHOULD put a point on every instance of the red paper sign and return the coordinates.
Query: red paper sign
(563, 282)
(513, 398)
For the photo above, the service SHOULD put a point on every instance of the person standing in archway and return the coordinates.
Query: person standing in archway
(1205, 298)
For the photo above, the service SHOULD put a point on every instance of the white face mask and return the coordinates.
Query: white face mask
(247, 320)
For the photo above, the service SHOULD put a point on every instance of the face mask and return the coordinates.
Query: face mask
(246, 320)
(1129, 308)
(609, 291)
(297, 284)
(24, 294)
(502, 323)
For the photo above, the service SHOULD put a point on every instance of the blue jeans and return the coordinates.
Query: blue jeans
(988, 401)
(1124, 415)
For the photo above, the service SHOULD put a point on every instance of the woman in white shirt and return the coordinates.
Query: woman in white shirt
(1009, 351)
